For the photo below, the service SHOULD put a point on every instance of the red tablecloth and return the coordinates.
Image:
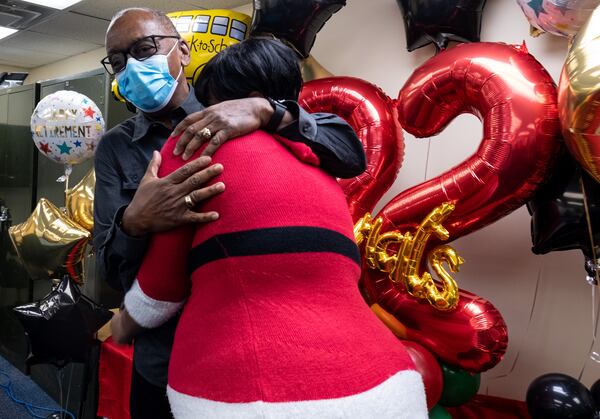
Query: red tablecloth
(114, 378)
(490, 407)
(116, 362)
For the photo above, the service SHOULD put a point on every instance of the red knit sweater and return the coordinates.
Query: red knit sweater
(273, 311)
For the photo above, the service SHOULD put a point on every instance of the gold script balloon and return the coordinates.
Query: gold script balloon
(579, 97)
(49, 244)
(404, 267)
(80, 201)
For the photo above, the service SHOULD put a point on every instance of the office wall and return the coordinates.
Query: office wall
(69, 66)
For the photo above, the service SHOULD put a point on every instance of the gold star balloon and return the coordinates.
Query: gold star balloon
(49, 244)
(80, 201)
(579, 97)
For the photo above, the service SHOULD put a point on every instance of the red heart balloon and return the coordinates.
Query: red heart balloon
(372, 115)
(516, 99)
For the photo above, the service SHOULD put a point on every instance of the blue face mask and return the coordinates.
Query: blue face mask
(148, 84)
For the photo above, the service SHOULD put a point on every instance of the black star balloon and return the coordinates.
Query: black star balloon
(441, 21)
(295, 22)
(61, 326)
(558, 219)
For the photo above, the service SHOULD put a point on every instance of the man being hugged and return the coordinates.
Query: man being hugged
(147, 55)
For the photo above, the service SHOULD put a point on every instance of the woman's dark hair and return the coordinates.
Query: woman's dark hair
(265, 66)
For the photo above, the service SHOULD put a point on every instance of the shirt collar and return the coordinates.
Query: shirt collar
(143, 123)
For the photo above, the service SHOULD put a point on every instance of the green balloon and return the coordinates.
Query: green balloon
(438, 412)
(459, 386)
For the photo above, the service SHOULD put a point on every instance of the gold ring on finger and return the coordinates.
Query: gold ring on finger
(205, 133)
(188, 201)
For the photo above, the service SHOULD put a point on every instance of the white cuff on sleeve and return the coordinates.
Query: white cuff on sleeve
(146, 311)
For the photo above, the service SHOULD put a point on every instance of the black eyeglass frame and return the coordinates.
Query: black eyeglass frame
(106, 60)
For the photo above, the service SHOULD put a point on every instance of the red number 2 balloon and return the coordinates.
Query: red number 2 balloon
(372, 115)
(515, 98)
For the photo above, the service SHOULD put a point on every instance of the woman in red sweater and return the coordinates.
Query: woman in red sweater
(273, 324)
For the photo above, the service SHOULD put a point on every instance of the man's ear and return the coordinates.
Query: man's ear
(184, 49)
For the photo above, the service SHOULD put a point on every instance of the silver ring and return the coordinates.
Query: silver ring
(188, 201)
(205, 133)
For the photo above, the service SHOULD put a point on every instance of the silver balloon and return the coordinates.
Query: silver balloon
(559, 17)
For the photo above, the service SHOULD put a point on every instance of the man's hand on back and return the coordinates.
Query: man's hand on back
(159, 204)
(225, 120)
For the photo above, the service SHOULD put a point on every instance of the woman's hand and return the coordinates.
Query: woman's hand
(225, 120)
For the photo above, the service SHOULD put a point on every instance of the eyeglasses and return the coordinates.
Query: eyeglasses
(140, 50)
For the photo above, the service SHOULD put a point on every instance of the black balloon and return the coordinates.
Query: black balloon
(595, 390)
(61, 326)
(294, 21)
(441, 21)
(558, 396)
(558, 219)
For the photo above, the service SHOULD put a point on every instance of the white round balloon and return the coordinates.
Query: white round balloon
(66, 127)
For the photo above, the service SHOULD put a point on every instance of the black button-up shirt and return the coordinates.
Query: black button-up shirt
(120, 162)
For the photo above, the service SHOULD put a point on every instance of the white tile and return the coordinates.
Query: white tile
(75, 26)
(28, 59)
(34, 41)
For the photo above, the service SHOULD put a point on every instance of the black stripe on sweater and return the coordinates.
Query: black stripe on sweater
(269, 241)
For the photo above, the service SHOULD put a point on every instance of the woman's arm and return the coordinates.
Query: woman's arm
(161, 286)
(331, 138)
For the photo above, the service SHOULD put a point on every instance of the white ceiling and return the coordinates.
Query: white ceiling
(81, 28)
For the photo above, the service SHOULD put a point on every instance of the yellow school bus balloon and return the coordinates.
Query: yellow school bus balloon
(207, 32)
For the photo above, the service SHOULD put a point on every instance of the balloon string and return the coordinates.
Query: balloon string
(589, 223)
(594, 356)
(65, 178)
(427, 159)
(59, 377)
(66, 188)
(68, 171)
(595, 305)
(526, 334)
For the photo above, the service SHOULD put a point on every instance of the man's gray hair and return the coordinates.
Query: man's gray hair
(156, 14)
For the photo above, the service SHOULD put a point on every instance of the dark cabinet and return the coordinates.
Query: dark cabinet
(17, 172)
